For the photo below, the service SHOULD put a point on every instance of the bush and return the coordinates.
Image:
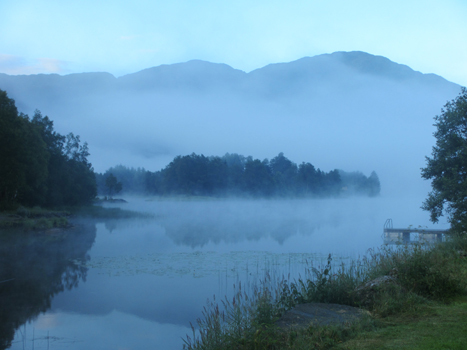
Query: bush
(433, 271)
(23, 212)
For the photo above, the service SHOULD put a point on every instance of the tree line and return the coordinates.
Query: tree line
(237, 175)
(38, 166)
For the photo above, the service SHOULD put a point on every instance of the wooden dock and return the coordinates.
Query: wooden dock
(411, 235)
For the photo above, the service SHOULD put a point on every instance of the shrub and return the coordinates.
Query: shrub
(432, 271)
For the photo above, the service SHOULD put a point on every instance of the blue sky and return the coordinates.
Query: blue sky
(121, 37)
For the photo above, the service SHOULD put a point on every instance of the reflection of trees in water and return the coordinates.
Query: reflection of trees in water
(111, 225)
(198, 232)
(196, 223)
(35, 267)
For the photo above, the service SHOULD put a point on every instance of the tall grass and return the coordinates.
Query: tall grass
(421, 272)
(244, 320)
(432, 271)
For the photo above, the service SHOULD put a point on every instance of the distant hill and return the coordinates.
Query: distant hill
(280, 78)
(195, 74)
(351, 110)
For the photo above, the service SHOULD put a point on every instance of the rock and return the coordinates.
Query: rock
(304, 315)
(365, 294)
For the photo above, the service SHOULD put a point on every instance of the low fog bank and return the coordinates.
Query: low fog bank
(350, 111)
(391, 137)
(343, 226)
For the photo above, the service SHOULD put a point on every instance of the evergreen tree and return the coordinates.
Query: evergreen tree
(284, 173)
(38, 165)
(113, 185)
(23, 157)
(258, 179)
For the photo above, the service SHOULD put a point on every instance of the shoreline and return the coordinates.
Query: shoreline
(425, 283)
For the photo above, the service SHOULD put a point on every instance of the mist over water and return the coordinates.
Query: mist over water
(138, 283)
(147, 279)
(342, 225)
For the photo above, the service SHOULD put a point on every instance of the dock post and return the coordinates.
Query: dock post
(406, 237)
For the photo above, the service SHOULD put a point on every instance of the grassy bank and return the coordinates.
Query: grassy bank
(99, 212)
(436, 325)
(38, 218)
(423, 306)
(34, 218)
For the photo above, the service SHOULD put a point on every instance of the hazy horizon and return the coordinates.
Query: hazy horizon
(50, 37)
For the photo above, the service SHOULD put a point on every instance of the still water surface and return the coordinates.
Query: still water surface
(137, 284)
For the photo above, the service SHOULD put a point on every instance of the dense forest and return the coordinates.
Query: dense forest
(40, 167)
(237, 175)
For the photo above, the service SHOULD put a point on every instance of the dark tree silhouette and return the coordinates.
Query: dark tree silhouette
(447, 168)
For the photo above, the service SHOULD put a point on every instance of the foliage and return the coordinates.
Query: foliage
(357, 183)
(234, 174)
(23, 156)
(134, 181)
(40, 166)
(431, 272)
(194, 175)
(113, 185)
(447, 168)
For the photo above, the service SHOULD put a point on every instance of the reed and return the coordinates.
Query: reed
(425, 273)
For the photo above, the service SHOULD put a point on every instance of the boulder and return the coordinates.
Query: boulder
(364, 295)
(306, 315)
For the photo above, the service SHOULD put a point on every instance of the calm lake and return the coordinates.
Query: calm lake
(137, 284)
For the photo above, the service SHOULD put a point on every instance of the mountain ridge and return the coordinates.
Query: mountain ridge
(204, 74)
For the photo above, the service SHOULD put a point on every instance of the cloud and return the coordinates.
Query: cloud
(16, 65)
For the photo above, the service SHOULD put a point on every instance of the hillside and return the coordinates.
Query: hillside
(351, 110)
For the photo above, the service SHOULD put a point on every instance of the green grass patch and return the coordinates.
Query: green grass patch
(437, 326)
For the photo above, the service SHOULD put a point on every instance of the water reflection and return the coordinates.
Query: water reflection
(34, 267)
(197, 232)
(146, 280)
(198, 223)
(329, 225)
